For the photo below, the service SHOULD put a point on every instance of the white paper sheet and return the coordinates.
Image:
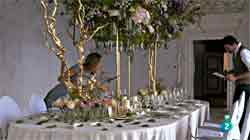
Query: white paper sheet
(218, 75)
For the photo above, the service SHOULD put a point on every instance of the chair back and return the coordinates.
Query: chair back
(235, 132)
(37, 104)
(246, 125)
(235, 112)
(9, 110)
(241, 107)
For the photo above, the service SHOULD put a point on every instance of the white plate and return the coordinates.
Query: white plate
(171, 108)
(162, 113)
(183, 104)
(94, 123)
(183, 112)
(176, 116)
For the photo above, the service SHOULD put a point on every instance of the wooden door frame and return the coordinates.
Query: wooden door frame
(200, 53)
(213, 26)
(218, 54)
(189, 66)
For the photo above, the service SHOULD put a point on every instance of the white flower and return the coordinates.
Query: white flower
(71, 104)
(143, 92)
(151, 29)
(114, 13)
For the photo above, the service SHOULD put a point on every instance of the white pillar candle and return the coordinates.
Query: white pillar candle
(110, 111)
(127, 104)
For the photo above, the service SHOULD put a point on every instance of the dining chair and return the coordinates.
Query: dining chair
(208, 133)
(9, 110)
(36, 104)
(246, 127)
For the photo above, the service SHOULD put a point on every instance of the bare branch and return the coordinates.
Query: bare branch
(96, 30)
(50, 25)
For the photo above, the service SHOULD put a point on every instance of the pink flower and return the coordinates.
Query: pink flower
(107, 101)
(83, 105)
(141, 15)
(87, 104)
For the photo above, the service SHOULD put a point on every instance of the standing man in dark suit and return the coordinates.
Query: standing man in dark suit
(241, 69)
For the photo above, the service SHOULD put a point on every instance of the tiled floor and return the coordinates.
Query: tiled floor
(217, 114)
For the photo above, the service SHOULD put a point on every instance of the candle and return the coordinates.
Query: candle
(118, 65)
(127, 104)
(110, 111)
(135, 99)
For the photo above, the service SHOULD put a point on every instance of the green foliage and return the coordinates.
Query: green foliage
(137, 21)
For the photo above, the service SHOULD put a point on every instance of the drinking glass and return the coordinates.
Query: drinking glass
(182, 93)
(166, 98)
(124, 92)
(174, 94)
(171, 98)
(161, 100)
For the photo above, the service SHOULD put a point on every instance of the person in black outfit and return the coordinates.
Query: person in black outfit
(241, 70)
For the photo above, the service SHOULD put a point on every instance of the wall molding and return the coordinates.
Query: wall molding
(225, 6)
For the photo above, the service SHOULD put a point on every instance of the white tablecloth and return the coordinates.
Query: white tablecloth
(162, 129)
(186, 127)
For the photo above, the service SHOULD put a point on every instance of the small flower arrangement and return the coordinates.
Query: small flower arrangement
(83, 111)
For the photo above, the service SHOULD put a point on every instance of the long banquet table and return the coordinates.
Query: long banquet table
(178, 126)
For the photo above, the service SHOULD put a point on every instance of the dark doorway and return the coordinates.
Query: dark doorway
(209, 58)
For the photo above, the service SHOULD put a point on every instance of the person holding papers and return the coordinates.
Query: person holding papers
(241, 69)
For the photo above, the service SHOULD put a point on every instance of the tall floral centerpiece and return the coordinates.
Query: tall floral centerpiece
(162, 21)
(128, 24)
(149, 24)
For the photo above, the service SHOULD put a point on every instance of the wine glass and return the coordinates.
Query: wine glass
(123, 92)
(174, 94)
(161, 100)
(155, 101)
(136, 104)
(179, 95)
(171, 98)
(146, 101)
(183, 93)
(166, 97)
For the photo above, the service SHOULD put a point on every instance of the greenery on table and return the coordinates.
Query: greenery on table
(92, 113)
